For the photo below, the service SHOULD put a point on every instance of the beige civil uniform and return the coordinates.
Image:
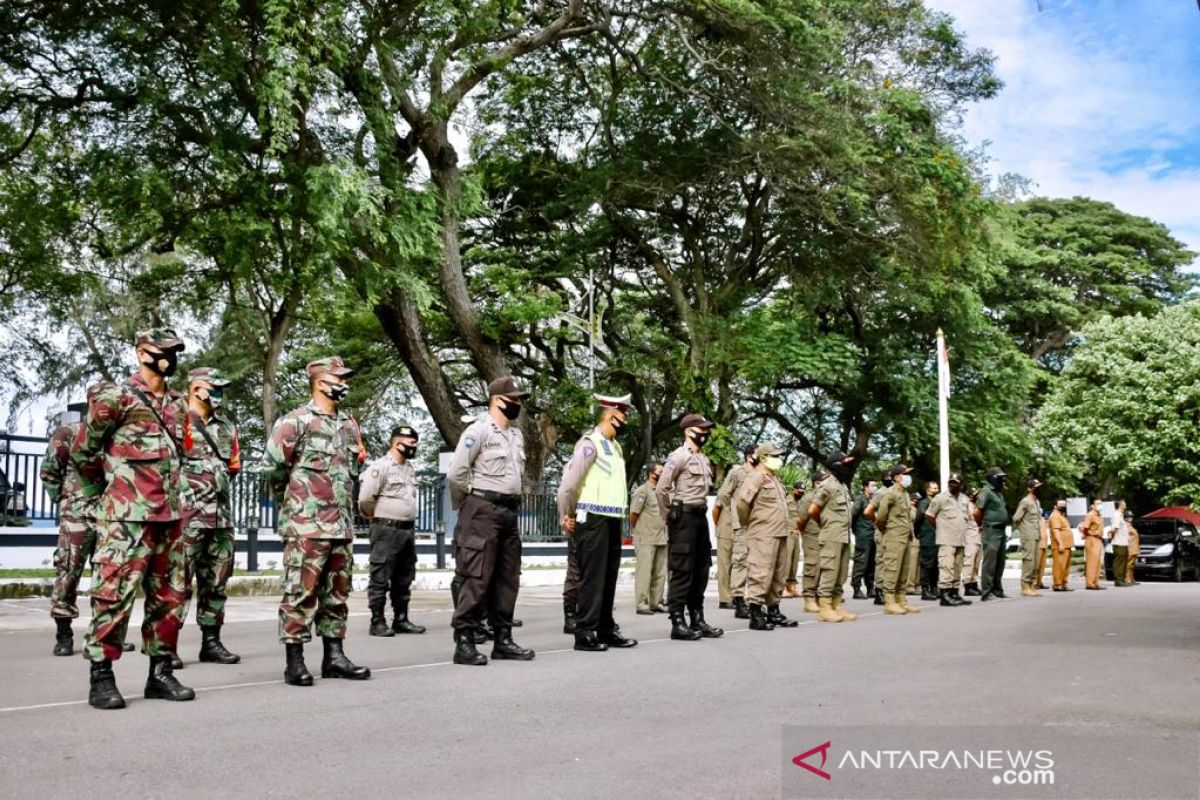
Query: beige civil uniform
(762, 503)
(650, 549)
(792, 548)
(832, 498)
(810, 535)
(973, 549)
(1093, 548)
(731, 549)
(950, 515)
(1062, 541)
(893, 516)
(1027, 522)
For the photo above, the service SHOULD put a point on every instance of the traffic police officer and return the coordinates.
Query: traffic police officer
(484, 477)
(681, 493)
(387, 495)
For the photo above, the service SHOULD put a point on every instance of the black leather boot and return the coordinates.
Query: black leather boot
(464, 649)
(859, 594)
(505, 649)
(614, 638)
(335, 664)
(483, 633)
(927, 592)
(959, 598)
(401, 624)
(176, 661)
(379, 626)
(589, 642)
(879, 596)
(777, 618)
(740, 611)
(212, 650)
(949, 597)
(296, 673)
(103, 691)
(971, 590)
(680, 629)
(64, 640)
(758, 619)
(568, 617)
(703, 628)
(161, 683)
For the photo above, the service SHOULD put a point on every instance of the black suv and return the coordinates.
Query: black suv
(1167, 548)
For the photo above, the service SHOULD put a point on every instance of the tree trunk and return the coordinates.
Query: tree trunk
(277, 332)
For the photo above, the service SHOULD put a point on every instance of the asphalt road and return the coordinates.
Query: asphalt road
(665, 719)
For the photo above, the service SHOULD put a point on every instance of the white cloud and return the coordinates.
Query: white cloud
(1097, 102)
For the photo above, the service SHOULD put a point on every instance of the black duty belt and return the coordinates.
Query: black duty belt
(512, 501)
(691, 508)
(402, 524)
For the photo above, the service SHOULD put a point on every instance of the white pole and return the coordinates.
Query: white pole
(591, 329)
(943, 362)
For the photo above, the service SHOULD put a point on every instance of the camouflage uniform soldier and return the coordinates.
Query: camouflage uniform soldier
(312, 457)
(484, 478)
(211, 460)
(76, 526)
(388, 495)
(128, 453)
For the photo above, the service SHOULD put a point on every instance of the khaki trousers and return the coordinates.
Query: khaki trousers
(1093, 554)
(1135, 547)
(792, 556)
(1029, 555)
(895, 563)
(1061, 566)
(912, 576)
(835, 563)
(1041, 566)
(766, 569)
(812, 563)
(724, 561)
(650, 575)
(972, 554)
(950, 565)
(737, 574)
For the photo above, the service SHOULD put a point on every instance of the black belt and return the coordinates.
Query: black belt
(402, 524)
(512, 501)
(691, 508)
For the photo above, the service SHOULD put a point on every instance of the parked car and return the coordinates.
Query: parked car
(1168, 547)
(12, 497)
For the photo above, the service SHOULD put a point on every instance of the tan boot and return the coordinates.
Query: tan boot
(827, 613)
(1027, 590)
(902, 599)
(890, 606)
(847, 616)
(810, 606)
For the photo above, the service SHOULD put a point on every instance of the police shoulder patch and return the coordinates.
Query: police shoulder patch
(588, 451)
(468, 442)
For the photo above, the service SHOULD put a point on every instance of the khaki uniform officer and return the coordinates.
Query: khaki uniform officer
(762, 503)
(649, 546)
(1061, 542)
(681, 492)
(893, 518)
(973, 550)
(1092, 529)
(793, 541)
(949, 512)
(1027, 520)
(869, 513)
(810, 541)
(831, 508)
(484, 477)
(731, 543)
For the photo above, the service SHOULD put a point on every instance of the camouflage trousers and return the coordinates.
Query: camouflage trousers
(129, 555)
(210, 562)
(316, 585)
(76, 542)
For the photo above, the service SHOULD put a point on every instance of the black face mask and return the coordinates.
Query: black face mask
(336, 391)
(511, 410)
(699, 438)
(618, 425)
(997, 483)
(163, 363)
(754, 461)
(844, 471)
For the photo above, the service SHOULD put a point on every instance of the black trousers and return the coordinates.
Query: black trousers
(929, 564)
(488, 562)
(991, 570)
(864, 562)
(393, 565)
(689, 557)
(597, 546)
(571, 582)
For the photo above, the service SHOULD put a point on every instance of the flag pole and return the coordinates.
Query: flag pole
(943, 362)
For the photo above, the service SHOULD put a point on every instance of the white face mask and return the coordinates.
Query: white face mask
(906, 481)
(773, 463)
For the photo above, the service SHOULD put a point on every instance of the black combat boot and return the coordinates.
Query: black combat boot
(778, 619)
(484, 633)
(568, 617)
(127, 647)
(176, 661)
(504, 648)
(614, 638)
(296, 673)
(161, 683)
(959, 598)
(680, 629)
(64, 641)
(879, 596)
(212, 650)
(103, 692)
(703, 628)
(758, 619)
(335, 664)
(928, 593)
(589, 642)
(740, 611)
(379, 626)
(464, 649)
(400, 623)
(971, 589)
(859, 594)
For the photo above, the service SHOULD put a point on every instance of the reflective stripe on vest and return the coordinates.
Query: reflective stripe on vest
(604, 491)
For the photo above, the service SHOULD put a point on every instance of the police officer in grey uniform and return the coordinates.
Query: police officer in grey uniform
(485, 487)
(387, 495)
(681, 492)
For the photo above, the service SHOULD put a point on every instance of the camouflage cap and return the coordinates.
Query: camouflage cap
(329, 366)
(163, 339)
(208, 375)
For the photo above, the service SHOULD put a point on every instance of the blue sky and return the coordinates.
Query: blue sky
(1101, 99)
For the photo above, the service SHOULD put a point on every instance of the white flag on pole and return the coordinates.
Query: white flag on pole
(943, 366)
